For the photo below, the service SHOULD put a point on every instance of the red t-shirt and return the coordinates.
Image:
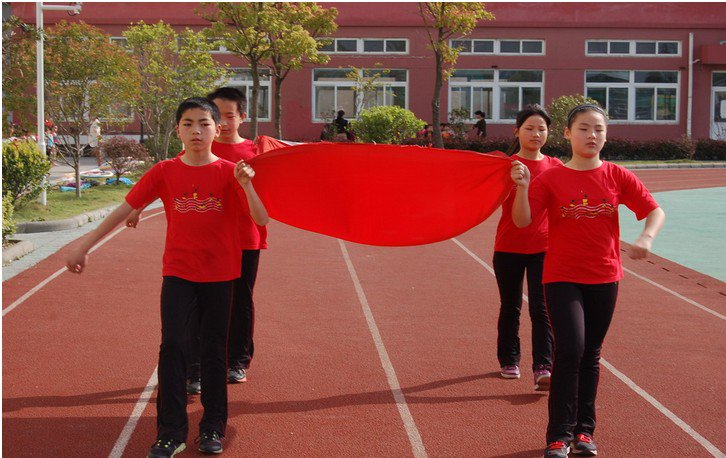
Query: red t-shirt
(584, 231)
(202, 214)
(530, 239)
(252, 236)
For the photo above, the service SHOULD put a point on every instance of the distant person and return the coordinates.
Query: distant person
(480, 128)
(94, 139)
(342, 127)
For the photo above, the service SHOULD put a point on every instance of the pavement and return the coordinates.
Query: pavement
(62, 171)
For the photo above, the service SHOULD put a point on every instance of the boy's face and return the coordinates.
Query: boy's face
(197, 130)
(231, 118)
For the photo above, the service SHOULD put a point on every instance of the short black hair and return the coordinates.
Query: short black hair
(198, 102)
(480, 113)
(341, 113)
(230, 93)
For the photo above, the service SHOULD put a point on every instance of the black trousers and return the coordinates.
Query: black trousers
(510, 269)
(185, 304)
(240, 346)
(580, 315)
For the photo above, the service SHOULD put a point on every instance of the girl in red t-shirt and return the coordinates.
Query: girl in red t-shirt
(517, 251)
(200, 192)
(582, 267)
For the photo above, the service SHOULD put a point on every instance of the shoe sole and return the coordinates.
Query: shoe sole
(235, 381)
(508, 376)
(179, 449)
(575, 451)
(205, 452)
(542, 384)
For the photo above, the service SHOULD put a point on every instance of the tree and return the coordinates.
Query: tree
(241, 27)
(86, 77)
(173, 67)
(386, 124)
(366, 86)
(18, 74)
(293, 38)
(123, 155)
(24, 168)
(558, 110)
(443, 21)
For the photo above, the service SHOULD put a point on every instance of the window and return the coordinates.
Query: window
(365, 46)
(121, 41)
(500, 94)
(333, 91)
(499, 46)
(635, 95)
(242, 79)
(632, 48)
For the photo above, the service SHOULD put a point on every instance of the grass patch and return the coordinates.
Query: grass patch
(62, 205)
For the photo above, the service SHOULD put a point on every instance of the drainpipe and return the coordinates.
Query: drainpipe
(689, 115)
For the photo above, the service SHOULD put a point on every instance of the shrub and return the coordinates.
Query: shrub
(8, 221)
(622, 149)
(710, 150)
(386, 124)
(558, 111)
(24, 167)
(123, 155)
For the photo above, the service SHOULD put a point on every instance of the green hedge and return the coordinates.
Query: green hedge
(8, 221)
(24, 167)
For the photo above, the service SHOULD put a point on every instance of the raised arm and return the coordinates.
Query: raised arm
(653, 223)
(76, 260)
(244, 174)
(521, 214)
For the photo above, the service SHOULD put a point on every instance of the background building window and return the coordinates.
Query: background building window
(242, 79)
(500, 94)
(635, 95)
(632, 48)
(499, 46)
(365, 46)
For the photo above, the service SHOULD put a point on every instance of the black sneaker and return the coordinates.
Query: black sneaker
(237, 375)
(210, 443)
(194, 386)
(583, 445)
(556, 449)
(164, 448)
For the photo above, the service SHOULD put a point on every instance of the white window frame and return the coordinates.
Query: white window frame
(498, 45)
(496, 86)
(345, 83)
(631, 86)
(360, 46)
(632, 52)
(246, 86)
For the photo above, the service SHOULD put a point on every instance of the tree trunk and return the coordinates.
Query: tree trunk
(278, 107)
(254, 66)
(435, 103)
(77, 152)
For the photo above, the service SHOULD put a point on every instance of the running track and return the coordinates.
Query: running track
(362, 351)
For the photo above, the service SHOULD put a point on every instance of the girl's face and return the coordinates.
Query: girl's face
(197, 129)
(587, 134)
(532, 134)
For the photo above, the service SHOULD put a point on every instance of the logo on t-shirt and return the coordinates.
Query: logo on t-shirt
(187, 204)
(586, 210)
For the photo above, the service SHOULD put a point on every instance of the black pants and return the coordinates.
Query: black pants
(580, 316)
(510, 270)
(206, 305)
(240, 346)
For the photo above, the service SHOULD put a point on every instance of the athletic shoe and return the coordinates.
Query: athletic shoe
(236, 375)
(210, 443)
(164, 448)
(583, 445)
(510, 371)
(542, 379)
(556, 450)
(194, 386)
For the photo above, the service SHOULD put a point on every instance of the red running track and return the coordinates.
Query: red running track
(361, 351)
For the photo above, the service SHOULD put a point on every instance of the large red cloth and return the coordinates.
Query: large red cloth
(386, 195)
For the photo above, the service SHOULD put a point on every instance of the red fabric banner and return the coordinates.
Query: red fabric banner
(386, 195)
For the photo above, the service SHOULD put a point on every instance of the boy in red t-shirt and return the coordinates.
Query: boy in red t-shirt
(200, 192)
(582, 267)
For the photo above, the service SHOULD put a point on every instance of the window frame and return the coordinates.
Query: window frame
(246, 86)
(360, 46)
(496, 51)
(633, 48)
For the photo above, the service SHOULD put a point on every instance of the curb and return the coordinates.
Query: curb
(63, 224)
(17, 250)
(714, 165)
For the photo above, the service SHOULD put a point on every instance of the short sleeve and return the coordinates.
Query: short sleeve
(634, 195)
(146, 189)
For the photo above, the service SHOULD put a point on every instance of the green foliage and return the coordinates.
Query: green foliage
(366, 85)
(458, 119)
(8, 221)
(173, 66)
(123, 154)
(386, 124)
(558, 111)
(24, 167)
(18, 74)
(623, 149)
(710, 150)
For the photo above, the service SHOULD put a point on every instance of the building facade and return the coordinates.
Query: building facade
(658, 68)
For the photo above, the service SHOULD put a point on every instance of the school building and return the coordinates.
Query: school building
(658, 68)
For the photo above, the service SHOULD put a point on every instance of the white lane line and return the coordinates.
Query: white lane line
(679, 296)
(654, 402)
(414, 436)
(40, 285)
(123, 439)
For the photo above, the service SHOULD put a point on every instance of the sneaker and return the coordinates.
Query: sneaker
(194, 386)
(583, 445)
(164, 448)
(556, 450)
(210, 443)
(542, 379)
(510, 371)
(237, 375)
